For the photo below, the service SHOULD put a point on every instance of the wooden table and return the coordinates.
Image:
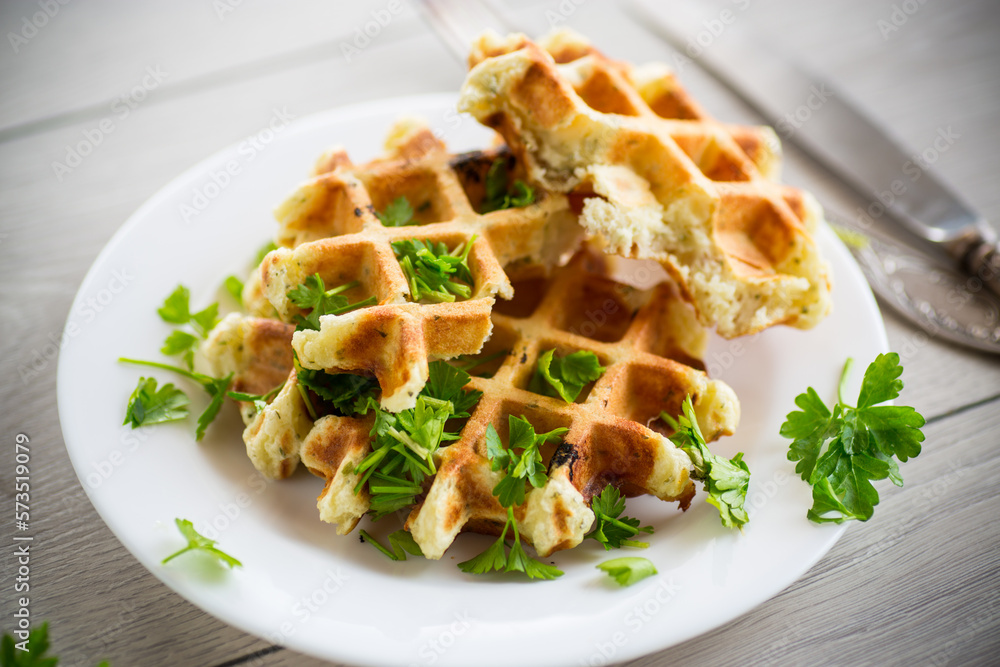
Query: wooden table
(156, 87)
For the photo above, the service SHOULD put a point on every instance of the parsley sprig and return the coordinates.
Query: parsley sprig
(404, 443)
(198, 542)
(434, 273)
(176, 309)
(149, 405)
(840, 451)
(628, 570)
(498, 195)
(215, 387)
(259, 401)
(397, 213)
(314, 296)
(520, 468)
(401, 542)
(725, 480)
(565, 377)
(611, 528)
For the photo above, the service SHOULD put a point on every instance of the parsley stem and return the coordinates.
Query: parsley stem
(370, 301)
(197, 377)
(343, 288)
(843, 379)
(375, 543)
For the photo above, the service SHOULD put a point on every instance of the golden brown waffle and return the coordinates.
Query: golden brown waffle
(648, 339)
(329, 227)
(659, 178)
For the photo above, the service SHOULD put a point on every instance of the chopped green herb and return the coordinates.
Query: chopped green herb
(726, 481)
(398, 213)
(840, 451)
(498, 196)
(496, 558)
(176, 309)
(345, 393)
(510, 491)
(404, 444)
(147, 405)
(181, 342)
(264, 250)
(215, 387)
(628, 570)
(234, 286)
(518, 467)
(433, 273)
(198, 542)
(610, 528)
(401, 542)
(313, 295)
(259, 401)
(565, 377)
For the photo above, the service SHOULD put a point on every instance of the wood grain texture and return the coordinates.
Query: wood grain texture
(918, 584)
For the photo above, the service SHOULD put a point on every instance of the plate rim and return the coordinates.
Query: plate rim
(399, 105)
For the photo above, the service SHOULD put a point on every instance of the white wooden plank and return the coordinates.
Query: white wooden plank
(90, 53)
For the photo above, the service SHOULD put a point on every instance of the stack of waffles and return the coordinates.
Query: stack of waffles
(648, 224)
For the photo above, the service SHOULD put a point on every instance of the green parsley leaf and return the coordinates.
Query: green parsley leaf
(496, 558)
(498, 196)
(510, 491)
(345, 393)
(263, 251)
(259, 401)
(628, 570)
(37, 646)
(405, 443)
(198, 542)
(205, 320)
(312, 295)
(518, 466)
(401, 542)
(215, 387)
(148, 406)
(840, 451)
(398, 213)
(175, 308)
(181, 342)
(726, 481)
(610, 528)
(234, 286)
(434, 273)
(566, 376)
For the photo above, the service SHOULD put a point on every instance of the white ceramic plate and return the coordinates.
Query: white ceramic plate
(306, 588)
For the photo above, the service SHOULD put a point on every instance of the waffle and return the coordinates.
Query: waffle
(648, 339)
(656, 177)
(329, 227)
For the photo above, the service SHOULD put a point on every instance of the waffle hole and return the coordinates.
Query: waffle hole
(420, 189)
(672, 105)
(496, 351)
(649, 391)
(598, 311)
(472, 168)
(528, 294)
(600, 92)
(713, 160)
